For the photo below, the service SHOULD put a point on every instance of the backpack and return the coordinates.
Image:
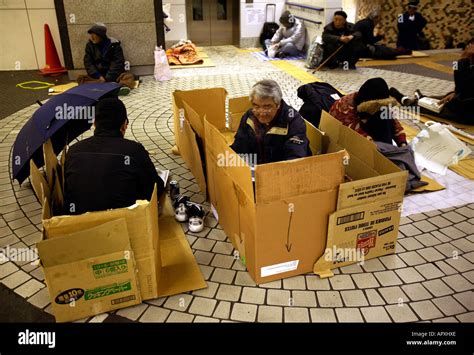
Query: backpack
(315, 54)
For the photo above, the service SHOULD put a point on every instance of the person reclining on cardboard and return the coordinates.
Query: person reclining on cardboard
(104, 60)
(271, 130)
(106, 170)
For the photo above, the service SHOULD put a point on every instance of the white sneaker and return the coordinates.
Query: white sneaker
(181, 208)
(196, 215)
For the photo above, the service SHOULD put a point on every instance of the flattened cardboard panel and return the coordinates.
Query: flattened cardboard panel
(39, 183)
(383, 187)
(291, 231)
(360, 233)
(101, 240)
(277, 181)
(180, 271)
(433, 185)
(190, 153)
(97, 285)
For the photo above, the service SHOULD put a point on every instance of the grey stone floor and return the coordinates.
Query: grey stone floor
(430, 278)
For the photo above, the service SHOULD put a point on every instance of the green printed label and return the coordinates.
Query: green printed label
(111, 268)
(108, 290)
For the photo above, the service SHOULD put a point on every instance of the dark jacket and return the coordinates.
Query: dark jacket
(366, 29)
(107, 171)
(408, 31)
(331, 34)
(461, 108)
(285, 140)
(105, 58)
(316, 98)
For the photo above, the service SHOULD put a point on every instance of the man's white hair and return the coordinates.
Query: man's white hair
(265, 89)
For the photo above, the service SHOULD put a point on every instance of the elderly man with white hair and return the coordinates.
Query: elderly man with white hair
(271, 130)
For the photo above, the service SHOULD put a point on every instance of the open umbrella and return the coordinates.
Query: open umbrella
(62, 118)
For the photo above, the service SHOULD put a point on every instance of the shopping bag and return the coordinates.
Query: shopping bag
(436, 148)
(162, 68)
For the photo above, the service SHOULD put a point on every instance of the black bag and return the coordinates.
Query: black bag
(269, 28)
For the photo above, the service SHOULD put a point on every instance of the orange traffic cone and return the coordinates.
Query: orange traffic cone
(53, 65)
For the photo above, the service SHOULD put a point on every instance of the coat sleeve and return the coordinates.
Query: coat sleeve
(297, 144)
(278, 35)
(400, 136)
(329, 37)
(117, 64)
(347, 117)
(298, 33)
(89, 63)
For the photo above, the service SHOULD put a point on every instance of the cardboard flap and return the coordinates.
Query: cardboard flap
(39, 183)
(381, 187)
(190, 153)
(315, 137)
(194, 98)
(225, 158)
(237, 107)
(360, 233)
(50, 162)
(180, 271)
(194, 119)
(365, 160)
(101, 240)
(277, 181)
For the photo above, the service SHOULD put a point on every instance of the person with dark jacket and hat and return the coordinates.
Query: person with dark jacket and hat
(106, 170)
(410, 27)
(271, 130)
(368, 113)
(289, 39)
(341, 33)
(372, 49)
(104, 60)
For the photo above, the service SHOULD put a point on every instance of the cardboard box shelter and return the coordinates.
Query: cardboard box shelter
(158, 258)
(282, 224)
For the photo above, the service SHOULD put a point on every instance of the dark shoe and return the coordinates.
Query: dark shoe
(397, 95)
(418, 94)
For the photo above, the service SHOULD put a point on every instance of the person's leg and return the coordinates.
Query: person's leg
(268, 43)
(84, 79)
(289, 50)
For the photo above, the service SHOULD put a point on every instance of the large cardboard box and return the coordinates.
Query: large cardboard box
(91, 271)
(280, 224)
(163, 260)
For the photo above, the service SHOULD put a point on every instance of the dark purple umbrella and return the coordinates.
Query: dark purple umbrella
(62, 118)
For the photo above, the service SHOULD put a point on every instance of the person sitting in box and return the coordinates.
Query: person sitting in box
(106, 170)
(271, 130)
(368, 113)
